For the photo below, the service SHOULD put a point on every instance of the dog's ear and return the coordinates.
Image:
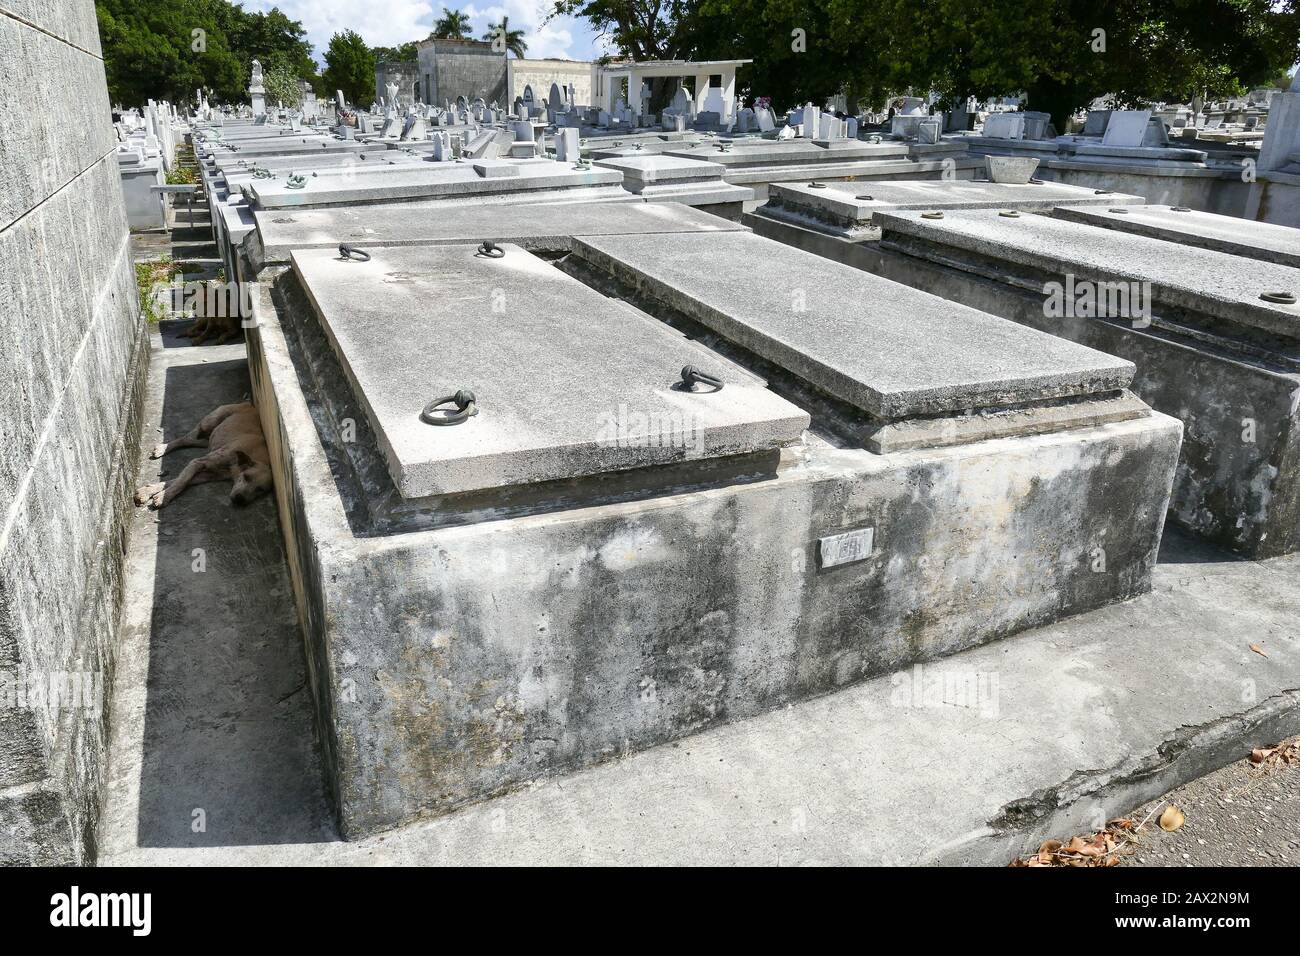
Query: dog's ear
(243, 461)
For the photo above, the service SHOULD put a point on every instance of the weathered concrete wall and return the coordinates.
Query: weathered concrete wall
(540, 74)
(468, 68)
(72, 354)
(406, 74)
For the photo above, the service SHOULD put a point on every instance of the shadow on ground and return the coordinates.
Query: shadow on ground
(228, 757)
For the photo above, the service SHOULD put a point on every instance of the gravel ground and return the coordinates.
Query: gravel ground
(1238, 816)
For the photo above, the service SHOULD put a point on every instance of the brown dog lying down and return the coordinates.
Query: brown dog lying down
(236, 452)
(214, 315)
(204, 327)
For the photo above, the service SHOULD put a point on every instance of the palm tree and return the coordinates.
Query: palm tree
(513, 40)
(451, 25)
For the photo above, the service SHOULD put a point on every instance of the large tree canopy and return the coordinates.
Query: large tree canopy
(1063, 53)
(350, 67)
(166, 49)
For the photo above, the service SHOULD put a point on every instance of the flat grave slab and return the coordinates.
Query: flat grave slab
(793, 152)
(1211, 283)
(235, 164)
(859, 201)
(694, 181)
(853, 206)
(1239, 237)
(550, 361)
(291, 146)
(886, 349)
(432, 223)
(428, 181)
(651, 169)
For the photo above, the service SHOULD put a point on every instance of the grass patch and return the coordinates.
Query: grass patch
(181, 176)
(148, 276)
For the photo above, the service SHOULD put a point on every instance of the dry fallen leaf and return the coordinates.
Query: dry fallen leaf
(1098, 849)
(1258, 650)
(1275, 758)
(1171, 819)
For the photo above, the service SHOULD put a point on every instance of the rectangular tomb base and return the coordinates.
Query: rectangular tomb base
(464, 645)
(1208, 349)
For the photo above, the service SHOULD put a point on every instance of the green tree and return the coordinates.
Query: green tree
(505, 40)
(1049, 49)
(406, 53)
(282, 85)
(165, 49)
(452, 25)
(350, 67)
(1065, 53)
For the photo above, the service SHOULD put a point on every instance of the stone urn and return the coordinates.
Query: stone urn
(1011, 169)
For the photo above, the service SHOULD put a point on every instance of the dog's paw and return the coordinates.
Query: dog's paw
(147, 494)
(159, 450)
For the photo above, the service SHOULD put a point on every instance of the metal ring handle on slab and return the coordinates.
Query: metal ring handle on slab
(464, 401)
(692, 375)
(490, 250)
(352, 252)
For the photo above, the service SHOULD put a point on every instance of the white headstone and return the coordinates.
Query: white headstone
(811, 121)
(1127, 128)
(567, 148)
(1005, 126)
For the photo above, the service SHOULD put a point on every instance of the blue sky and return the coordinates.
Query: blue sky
(397, 21)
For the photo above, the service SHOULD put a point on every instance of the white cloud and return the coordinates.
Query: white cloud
(390, 23)
(399, 21)
(554, 39)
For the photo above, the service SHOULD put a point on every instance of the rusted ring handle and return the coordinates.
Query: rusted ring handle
(691, 375)
(465, 407)
(490, 250)
(352, 252)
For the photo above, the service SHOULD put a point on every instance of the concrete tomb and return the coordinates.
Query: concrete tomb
(823, 217)
(1239, 237)
(546, 505)
(758, 163)
(1215, 338)
(695, 182)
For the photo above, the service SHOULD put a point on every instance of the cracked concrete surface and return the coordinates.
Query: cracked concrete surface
(970, 759)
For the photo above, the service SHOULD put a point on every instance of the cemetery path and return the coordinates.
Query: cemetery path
(210, 735)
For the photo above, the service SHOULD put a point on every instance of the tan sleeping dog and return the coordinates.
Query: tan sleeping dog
(214, 314)
(236, 452)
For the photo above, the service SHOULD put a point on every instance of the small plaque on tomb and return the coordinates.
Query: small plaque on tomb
(846, 548)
